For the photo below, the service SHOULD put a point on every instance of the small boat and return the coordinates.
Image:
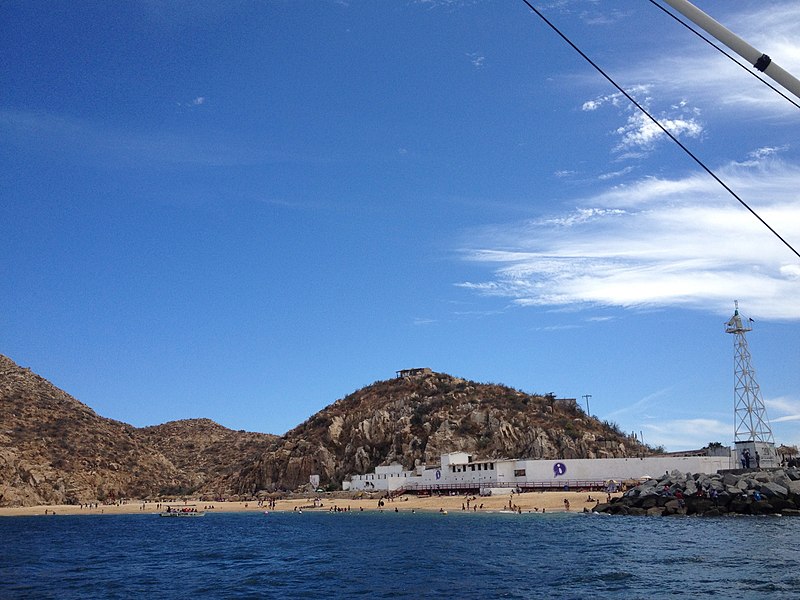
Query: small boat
(187, 510)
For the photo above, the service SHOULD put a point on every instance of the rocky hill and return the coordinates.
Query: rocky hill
(205, 453)
(415, 419)
(55, 449)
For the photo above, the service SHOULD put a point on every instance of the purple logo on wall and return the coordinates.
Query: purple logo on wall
(559, 469)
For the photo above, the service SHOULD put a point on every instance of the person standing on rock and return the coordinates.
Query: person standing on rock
(758, 460)
(747, 459)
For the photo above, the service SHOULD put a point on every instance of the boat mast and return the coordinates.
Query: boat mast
(758, 59)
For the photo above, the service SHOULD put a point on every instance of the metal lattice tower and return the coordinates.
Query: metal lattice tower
(749, 415)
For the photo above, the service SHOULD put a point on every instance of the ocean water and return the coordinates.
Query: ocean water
(398, 555)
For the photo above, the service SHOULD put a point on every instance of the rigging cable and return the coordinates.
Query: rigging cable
(660, 126)
(722, 51)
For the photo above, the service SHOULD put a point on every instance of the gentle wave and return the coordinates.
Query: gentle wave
(388, 555)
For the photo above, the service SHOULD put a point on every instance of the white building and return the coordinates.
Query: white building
(458, 472)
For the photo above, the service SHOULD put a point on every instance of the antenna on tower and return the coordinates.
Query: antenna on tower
(752, 431)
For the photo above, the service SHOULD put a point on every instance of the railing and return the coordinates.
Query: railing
(524, 486)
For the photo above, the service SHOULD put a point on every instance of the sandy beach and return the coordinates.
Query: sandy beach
(527, 502)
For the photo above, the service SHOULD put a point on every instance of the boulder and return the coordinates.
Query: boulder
(781, 504)
(771, 490)
(729, 479)
(699, 506)
(794, 486)
(793, 474)
(649, 502)
(762, 508)
(675, 507)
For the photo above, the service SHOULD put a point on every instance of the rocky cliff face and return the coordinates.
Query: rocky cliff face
(416, 419)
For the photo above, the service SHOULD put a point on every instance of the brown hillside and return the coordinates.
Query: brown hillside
(416, 419)
(55, 449)
(205, 452)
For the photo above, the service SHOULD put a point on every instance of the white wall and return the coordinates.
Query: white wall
(392, 477)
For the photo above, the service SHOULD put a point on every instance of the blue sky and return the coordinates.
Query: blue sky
(246, 210)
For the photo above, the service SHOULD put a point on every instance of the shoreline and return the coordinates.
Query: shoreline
(525, 502)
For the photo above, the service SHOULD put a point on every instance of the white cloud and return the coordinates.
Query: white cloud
(423, 321)
(761, 153)
(658, 242)
(564, 173)
(477, 60)
(782, 409)
(95, 141)
(686, 434)
(615, 174)
(640, 132)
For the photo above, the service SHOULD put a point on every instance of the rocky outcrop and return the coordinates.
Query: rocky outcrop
(414, 420)
(747, 493)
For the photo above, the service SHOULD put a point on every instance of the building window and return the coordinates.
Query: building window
(519, 472)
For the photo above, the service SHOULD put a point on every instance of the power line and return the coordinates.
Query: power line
(724, 53)
(660, 126)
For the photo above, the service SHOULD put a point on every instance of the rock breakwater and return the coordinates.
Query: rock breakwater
(726, 493)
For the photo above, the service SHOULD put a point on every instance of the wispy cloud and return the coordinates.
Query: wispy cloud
(478, 60)
(93, 141)
(782, 409)
(657, 242)
(423, 321)
(193, 103)
(687, 434)
(615, 174)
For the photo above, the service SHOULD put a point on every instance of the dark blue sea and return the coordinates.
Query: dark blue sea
(389, 555)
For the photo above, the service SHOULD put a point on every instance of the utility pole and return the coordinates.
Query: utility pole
(586, 397)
